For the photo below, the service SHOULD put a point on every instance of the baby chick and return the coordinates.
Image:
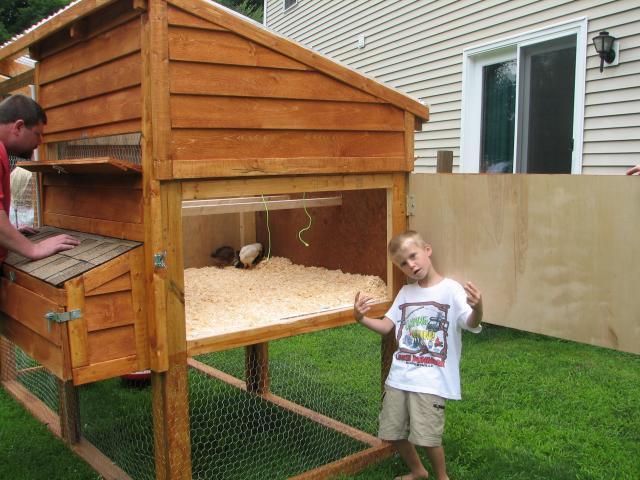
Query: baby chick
(250, 254)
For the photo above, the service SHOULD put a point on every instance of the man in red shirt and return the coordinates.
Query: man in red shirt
(22, 121)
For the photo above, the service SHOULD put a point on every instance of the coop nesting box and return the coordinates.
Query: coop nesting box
(152, 104)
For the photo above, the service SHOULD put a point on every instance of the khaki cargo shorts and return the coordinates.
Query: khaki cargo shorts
(417, 417)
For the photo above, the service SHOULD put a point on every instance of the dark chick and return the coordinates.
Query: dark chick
(224, 257)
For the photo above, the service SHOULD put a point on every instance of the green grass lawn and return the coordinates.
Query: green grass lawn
(533, 408)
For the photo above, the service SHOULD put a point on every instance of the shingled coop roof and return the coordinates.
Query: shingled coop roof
(94, 250)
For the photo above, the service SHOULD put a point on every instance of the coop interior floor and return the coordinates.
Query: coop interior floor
(224, 300)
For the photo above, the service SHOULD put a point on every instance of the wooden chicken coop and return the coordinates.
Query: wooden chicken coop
(162, 115)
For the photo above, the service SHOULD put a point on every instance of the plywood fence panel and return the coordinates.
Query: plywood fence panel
(196, 45)
(195, 112)
(249, 81)
(552, 254)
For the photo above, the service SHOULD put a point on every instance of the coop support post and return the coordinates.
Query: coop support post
(396, 224)
(69, 411)
(256, 361)
(163, 233)
(170, 387)
(7, 360)
(444, 161)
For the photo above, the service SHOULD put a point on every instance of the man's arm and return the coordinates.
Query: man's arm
(361, 307)
(13, 240)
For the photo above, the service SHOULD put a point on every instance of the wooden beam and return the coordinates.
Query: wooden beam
(202, 189)
(78, 332)
(303, 324)
(256, 364)
(14, 83)
(349, 465)
(56, 23)
(7, 360)
(257, 206)
(69, 408)
(444, 161)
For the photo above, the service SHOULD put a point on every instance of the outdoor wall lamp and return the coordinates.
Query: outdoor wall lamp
(604, 46)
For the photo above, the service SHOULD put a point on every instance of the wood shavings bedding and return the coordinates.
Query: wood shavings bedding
(222, 300)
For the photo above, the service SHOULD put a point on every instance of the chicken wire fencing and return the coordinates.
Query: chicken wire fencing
(125, 147)
(318, 404)
(20, 372)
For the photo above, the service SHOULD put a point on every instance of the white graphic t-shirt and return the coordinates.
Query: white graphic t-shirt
(429, 323)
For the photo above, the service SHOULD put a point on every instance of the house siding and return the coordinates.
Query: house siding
(417, 47)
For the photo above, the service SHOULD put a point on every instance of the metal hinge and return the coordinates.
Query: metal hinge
(159, 259)
(411, 205)
(62, 317)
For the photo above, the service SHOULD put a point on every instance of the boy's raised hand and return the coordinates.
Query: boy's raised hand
(474, 296)
(361, 305)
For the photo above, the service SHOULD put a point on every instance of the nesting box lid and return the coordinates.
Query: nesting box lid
(94, 250)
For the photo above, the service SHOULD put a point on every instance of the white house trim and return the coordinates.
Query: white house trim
(474, 58)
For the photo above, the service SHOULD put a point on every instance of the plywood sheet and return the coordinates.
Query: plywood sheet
(56, 269)
(552, 254)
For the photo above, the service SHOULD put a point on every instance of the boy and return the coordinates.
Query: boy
(428, 317)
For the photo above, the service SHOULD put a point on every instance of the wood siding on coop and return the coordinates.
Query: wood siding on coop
(239, 108)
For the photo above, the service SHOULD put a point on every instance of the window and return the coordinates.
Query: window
(523, 103)
(289, 4)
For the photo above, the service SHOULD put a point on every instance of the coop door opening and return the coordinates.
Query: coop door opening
(262, 259)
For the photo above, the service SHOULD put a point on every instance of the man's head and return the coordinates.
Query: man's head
(21, 124)
(410, 253)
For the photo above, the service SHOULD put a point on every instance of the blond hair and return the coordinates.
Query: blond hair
(398, 241)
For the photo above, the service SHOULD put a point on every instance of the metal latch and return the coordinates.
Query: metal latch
(411, 205)
(12, 276)
(159, 259)
(61, 317)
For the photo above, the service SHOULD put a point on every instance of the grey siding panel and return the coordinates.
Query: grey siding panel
(417, 47)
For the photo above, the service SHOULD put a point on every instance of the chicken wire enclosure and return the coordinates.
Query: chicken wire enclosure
(125, 147)
(322, 404)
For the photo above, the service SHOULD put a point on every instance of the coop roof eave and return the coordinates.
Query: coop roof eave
(50, 25)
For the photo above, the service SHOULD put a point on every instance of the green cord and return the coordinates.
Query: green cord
(266, 209)
(310, 221)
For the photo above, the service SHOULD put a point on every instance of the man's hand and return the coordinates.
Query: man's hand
(52, 245)
(27, 230)
(634, 170)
